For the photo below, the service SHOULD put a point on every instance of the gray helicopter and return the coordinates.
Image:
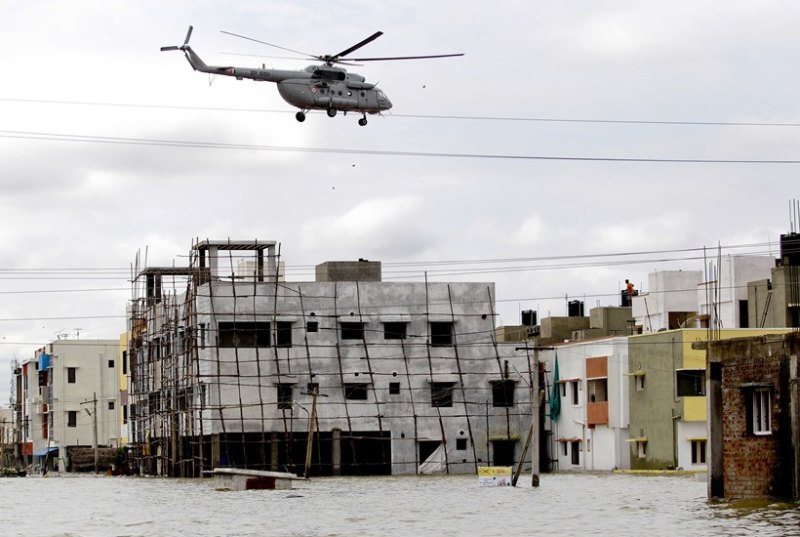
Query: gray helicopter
(317, 87)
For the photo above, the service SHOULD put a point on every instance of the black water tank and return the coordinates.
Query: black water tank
(790, 249)
(575, 308)
(528, 318)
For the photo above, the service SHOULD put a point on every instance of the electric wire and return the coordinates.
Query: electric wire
(413, 116)
(188, 144)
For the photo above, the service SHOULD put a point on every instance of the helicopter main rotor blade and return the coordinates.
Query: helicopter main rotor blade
(188, 35)
(271, 45)
(357, 46)
(164, 49)
(391, 58)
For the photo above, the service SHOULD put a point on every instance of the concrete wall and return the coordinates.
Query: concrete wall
(558, 329)
(93, 376)
(668, 291)
(349, 271)
(732, 278)
(653, 410)
(240, 385)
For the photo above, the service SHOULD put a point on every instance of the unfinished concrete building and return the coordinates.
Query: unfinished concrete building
(231, 365)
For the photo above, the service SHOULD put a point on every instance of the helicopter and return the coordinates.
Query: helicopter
(317, 87)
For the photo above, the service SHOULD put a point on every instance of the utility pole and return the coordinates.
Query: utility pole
(94, 428)
(535, 404)
(312, 419)
(533, 432)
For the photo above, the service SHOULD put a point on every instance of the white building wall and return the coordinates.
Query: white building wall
(603, 446)
(668, 291)
(94, 374)
(686, 432)
(728, 286)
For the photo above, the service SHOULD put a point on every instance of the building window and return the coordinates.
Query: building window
(698, 451)
(762, 412)
(691, 382)
(201, 335)
(394, 330)
(71, 375)
(641, 449)
(574, 386)
(394, 388)
(442, 394)
(461, 444)
(312, 326)
(639, 383)
(576, 452)
(284, 396)
(355, 391)
(352, 330)
(503, 393)
(243, 334)
(124, 414)
(564, 448)
(597, 390)
(111, 364)
(111, 405)
(283, 334)
(442, 334)
(124, 362)
(562, 386)
(72, 418)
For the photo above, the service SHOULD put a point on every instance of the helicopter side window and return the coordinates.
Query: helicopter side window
(363, 94)
(349, 93)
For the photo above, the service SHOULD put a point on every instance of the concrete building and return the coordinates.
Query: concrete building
(754, 416)
(375, 377)
(667, 390)
(670, 301)
(723, 300)
(591, 429)
(69, 389)
(775, 301)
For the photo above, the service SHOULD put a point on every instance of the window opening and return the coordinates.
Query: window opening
(442, 394)
(441, 334)
(352, 330)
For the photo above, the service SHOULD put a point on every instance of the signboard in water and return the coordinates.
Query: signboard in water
(494, 476)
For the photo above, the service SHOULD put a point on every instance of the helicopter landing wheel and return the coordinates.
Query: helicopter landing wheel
(331, 112)
(362, 122)
(300, 116)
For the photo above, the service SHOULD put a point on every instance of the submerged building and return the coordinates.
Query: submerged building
(231, 365)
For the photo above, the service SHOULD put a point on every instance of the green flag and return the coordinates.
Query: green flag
(555, 394)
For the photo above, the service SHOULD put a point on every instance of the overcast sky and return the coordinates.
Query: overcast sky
(94, 69)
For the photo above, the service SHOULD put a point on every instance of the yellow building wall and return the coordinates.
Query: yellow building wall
(694, 408)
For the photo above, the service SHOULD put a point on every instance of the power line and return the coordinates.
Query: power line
(415, 116)
(155, 142)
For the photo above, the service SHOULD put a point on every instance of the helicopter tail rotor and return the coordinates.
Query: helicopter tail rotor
(185, 42)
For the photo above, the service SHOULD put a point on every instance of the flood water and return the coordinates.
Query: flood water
(564, 505)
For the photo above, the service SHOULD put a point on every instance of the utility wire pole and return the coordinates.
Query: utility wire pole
(312, 418)
(93, 414)
(533, 432)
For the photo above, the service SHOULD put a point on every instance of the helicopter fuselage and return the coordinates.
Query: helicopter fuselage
(317, 87)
